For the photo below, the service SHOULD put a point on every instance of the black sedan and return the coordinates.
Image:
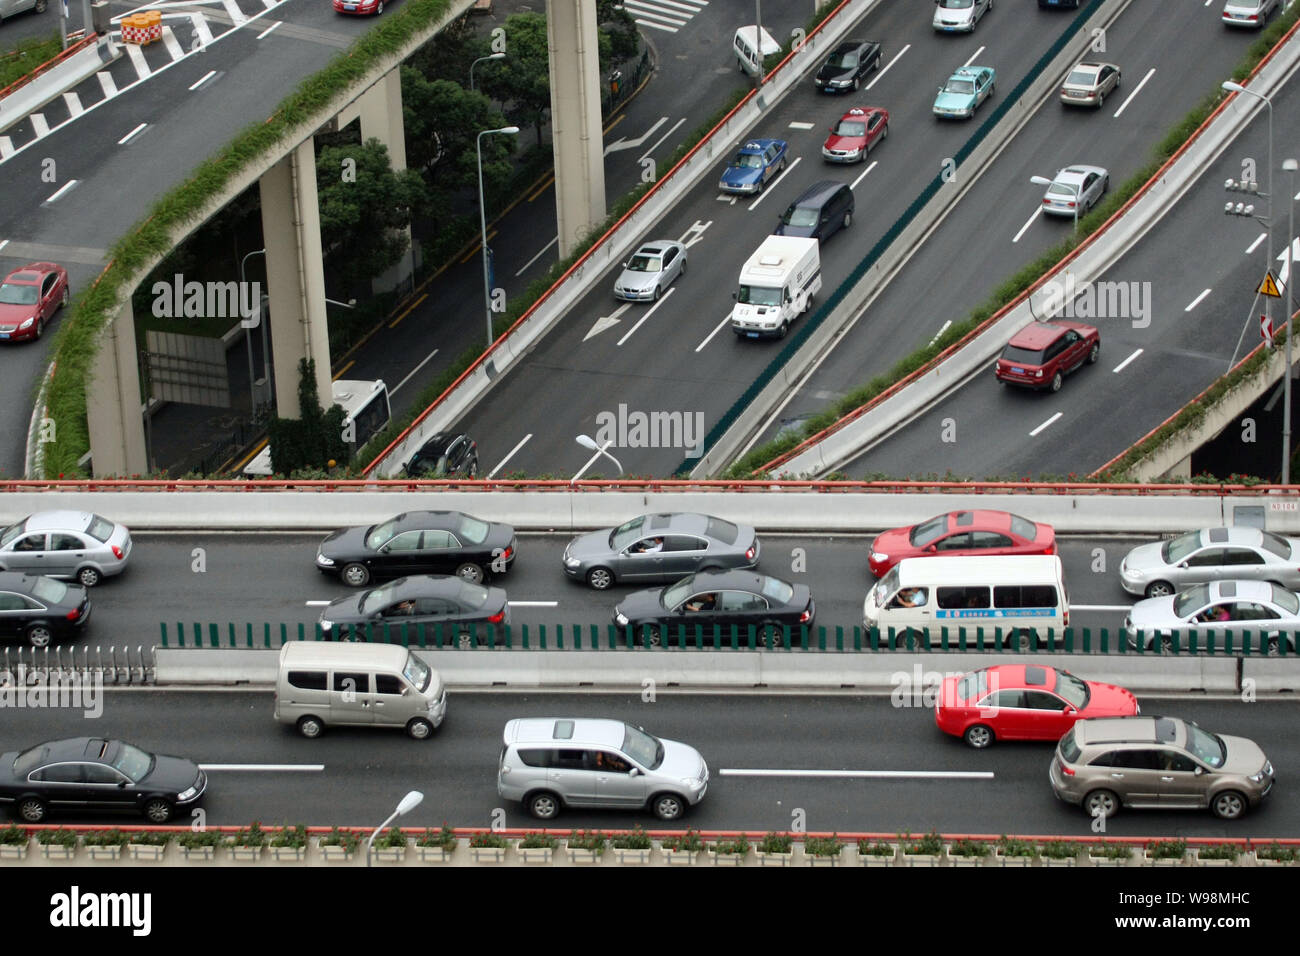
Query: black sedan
(440, 608)
(847, 65)
(717, 602)
(419, 542)
(94, 774)
(39, 609)
(445, 455)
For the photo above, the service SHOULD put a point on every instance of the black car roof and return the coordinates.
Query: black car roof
(425, 585)
(818, 193)
(737, 578)
(439, 443)
(70, 748)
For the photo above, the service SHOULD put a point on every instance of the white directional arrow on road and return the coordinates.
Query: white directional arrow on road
(607, 321)
(620, 144)
(1281, 257)
(696, 232)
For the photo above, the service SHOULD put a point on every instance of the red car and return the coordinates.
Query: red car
(1024, 702)
(961, 532)
(856, 134)
(359, 7)
(29, 298)
(1042, 353)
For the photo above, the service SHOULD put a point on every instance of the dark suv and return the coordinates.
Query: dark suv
(1041, 354)
(847, 65)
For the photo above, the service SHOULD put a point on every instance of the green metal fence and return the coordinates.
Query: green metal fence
(1085, 640)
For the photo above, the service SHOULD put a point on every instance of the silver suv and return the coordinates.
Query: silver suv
(1159, 762)
(552, 762)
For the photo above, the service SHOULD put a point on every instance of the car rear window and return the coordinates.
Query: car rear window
(473, 596)
(973, 685)
(11, 532)
(723, 531)
(29, 760)
(777, 589)
(1081, 77)
(1276, 544)
(49, 590)
(1068, 748)
(1286, 600)
(1024, 528)
(474, 530)
(101, 529)
(1061, 189)
(1019, 356)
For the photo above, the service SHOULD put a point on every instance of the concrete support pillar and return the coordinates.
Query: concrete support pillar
(113, 403)
(575, 119)
(295, 277)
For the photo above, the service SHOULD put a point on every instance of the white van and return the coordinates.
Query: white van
(745, 44)
(777, 285)
(357, 685)
(365, 409)
(1023, 596)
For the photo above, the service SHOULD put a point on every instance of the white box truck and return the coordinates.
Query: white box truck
(777, 285)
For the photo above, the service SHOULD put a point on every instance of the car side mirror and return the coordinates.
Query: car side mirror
(931, 549)
(1198, 771)
(735, 296)
(634, 772)
(1183, 565)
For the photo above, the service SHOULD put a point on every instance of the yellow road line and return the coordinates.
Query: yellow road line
(393, 324)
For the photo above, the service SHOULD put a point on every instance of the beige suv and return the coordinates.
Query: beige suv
(1159, 762)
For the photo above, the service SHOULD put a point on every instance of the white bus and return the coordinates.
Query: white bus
(365, 408)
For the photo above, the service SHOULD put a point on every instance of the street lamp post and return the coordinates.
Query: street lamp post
(492, 56)
(1290, 166)
(409, 803)
(482, 212)
(586, 441)
(1232, 87)
(248, 335)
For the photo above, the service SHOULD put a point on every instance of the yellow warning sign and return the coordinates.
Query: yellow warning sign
(1269, 286)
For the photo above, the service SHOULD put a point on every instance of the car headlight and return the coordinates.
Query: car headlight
(326, 625)
(324, 561)
(27, 324)
(1258, 778)
(692, 783)
(879, 556)
(188, 794)
(571, 562)
(620, 619)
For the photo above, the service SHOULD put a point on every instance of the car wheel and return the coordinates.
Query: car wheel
(40, 6)
(379, 9)
(39, 635)
(1228, 805)
(857, 82)
(650, 636)
(848, 218)
(472, 470)
(1101, 803)
(600, 578)
(918, 639)
(310, 727)
(1159, 589)
(659, 291)
(667, 806)
(471, 572)
(89, 577)
(978, 736)
(682, 270)
(356, 575)
(417, 728)
(1166, 644)
(1094, 354)
(785, 327)
(1101, 100)
(1023, 641)
(771, 635)
(158, 810)
(544, 806)
(884, 133)
(1056, 382)
(66, 295)
(40, 327)
(31, 810)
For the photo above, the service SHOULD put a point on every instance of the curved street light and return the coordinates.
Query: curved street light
(409, 803)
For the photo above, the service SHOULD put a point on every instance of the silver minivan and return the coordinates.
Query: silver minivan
(357, 685)
(548, 763)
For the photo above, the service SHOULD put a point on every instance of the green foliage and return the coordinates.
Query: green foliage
(824, 846)
(1218, 851)
(1276, 851)
(390, 839)
(314, 439)
(737, 844)
(1167, 849)
(969, 848)
(587, 840)
(930, 844)
(638, 839)
(487, 839)
(57, 837)
(195, 839)
(536, 840)
(1012, 846)
(688, 842)
(294, 837)
(26, 55)
(868, 848)
(347, 839)
(776, 843)
(1058, 849)
(150, 838)
(442, 120)
(113, 837)
(251, 836)
(13, 835)
(443, 837)
(1110, 851)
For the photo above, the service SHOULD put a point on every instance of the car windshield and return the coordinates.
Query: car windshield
(14, 294)
(800, 216)
(844, 61)
(1072, 689)
(1024, 528)
(378, 536)
(1206, 746)
(749, 161)
(956, 4)
(886, 586)
(1276, 544)
(29, 760)
(927, 531)
(1175, 549)
(1081, 77)
(376, 599)
(473, 596)
(644, 263)
(1019, 356)
(133, 762)
(965, 87)
(625, 534)
(473, 530)
(973, 685)
(762, 295)
(675, 594)
(645, 749)
(417, 672)
(426, 466)
(851, 128)
(1191, 600)
(101, 529)
(1286, 600)
(11, 532)
(49, 590)
(777, 590)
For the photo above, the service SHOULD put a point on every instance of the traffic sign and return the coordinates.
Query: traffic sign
(1266, 328)
(1269, 286)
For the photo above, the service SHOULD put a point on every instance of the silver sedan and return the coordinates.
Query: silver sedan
(1213, 610)
(650, 271)
(660, 547)
(66, 544)
(1088, 83)
(10, 7)
(1075, 190)
(1155, 570)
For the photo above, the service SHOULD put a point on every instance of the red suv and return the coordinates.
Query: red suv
(1043, 353)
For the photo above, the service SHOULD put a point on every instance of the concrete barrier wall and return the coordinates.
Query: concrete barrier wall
(1265, 676)
(67, 74)
(563, 511)
(632, 670)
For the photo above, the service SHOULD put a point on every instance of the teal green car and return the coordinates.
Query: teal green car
(964, 92)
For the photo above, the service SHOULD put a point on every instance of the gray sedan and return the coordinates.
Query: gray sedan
(1088, 83)
(660, 547)
(650, 271)
(66, 544)
(1155, 570)
(1075, 190)
(1213, 610)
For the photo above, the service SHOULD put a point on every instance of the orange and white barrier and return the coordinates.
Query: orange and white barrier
(142, 28)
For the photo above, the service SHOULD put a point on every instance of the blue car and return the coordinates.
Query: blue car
(964, 92)
(757, 163)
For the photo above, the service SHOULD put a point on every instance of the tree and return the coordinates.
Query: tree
(315, 438)
(364, 208)
(443, 121)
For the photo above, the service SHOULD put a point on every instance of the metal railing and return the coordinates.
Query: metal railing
(120, 666)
